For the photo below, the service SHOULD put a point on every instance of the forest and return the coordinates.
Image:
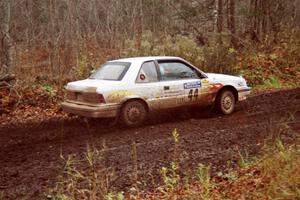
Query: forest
(46, 153)
(55, 40)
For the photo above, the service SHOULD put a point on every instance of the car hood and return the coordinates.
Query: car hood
(91, 85)
(226, 79)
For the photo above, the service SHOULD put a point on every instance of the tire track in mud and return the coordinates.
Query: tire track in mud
(30, 156)
(204, 137)
(193, 149)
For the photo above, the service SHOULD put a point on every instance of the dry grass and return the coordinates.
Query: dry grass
(273, 175)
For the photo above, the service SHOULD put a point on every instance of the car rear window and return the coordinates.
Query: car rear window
(114, 71)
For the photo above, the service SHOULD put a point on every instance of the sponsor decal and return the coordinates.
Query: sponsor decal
(191, 85)
(119, 95)
(173, 93)
(205, 81)
(215, 86)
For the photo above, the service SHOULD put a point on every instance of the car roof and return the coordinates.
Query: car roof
(144, 59)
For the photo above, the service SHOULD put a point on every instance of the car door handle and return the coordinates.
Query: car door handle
(166, 87)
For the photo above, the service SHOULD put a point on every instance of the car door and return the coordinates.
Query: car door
(181, 84)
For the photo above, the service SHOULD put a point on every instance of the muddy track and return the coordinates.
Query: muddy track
(30, 155)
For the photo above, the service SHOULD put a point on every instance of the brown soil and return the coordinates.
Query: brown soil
(30, 153)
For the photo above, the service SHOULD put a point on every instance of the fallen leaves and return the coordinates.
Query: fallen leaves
(36, 105)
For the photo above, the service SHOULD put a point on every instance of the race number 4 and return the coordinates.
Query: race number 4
(193, 94)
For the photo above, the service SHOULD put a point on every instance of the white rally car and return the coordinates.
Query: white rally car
(131, 88)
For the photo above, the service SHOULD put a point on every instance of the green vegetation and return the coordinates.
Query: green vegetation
(258, 39)
(264, 66)
(91, 183)
(275, 174)
(271, 82)
(282, 170)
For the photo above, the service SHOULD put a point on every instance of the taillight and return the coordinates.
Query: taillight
(92, 97)
(88, 97)
(71, 95)
(100, 98)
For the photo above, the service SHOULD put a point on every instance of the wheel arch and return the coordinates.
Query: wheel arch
(143, 101)
(230, 88)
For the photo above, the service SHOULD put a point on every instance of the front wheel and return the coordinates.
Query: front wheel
(133, 114)
(225, 102)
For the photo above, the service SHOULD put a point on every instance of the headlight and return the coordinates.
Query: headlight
(242, 82)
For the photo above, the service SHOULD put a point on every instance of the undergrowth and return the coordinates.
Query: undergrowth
(260, 63)
(85, 178)
(264, 65)
(274, 174)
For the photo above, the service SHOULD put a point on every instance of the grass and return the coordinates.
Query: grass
(87, 178)
(272, 82)
(282, 170)
(274, 174)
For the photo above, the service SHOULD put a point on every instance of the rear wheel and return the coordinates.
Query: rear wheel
(133, 114)
(225, 102)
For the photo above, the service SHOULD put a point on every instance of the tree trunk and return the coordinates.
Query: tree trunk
(232, 27)
(265, 18)
(6, 53)
(139, 25)
(253, 12)
(52, 36)
(220, 20)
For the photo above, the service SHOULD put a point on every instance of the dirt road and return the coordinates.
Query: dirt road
(30, 155)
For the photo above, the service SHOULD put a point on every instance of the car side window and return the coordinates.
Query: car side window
(176, 71)
(147, 73)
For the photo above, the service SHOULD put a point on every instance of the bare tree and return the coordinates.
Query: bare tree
(6, 52)
(232, 27)
(55, 36)
(220, 19)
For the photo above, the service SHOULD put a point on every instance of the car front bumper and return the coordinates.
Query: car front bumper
(101, 111)
(244, 93)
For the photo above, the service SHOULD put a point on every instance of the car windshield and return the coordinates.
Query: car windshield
(114, 71)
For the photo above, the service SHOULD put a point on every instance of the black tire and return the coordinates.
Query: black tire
(225, 102)
(133, 114)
